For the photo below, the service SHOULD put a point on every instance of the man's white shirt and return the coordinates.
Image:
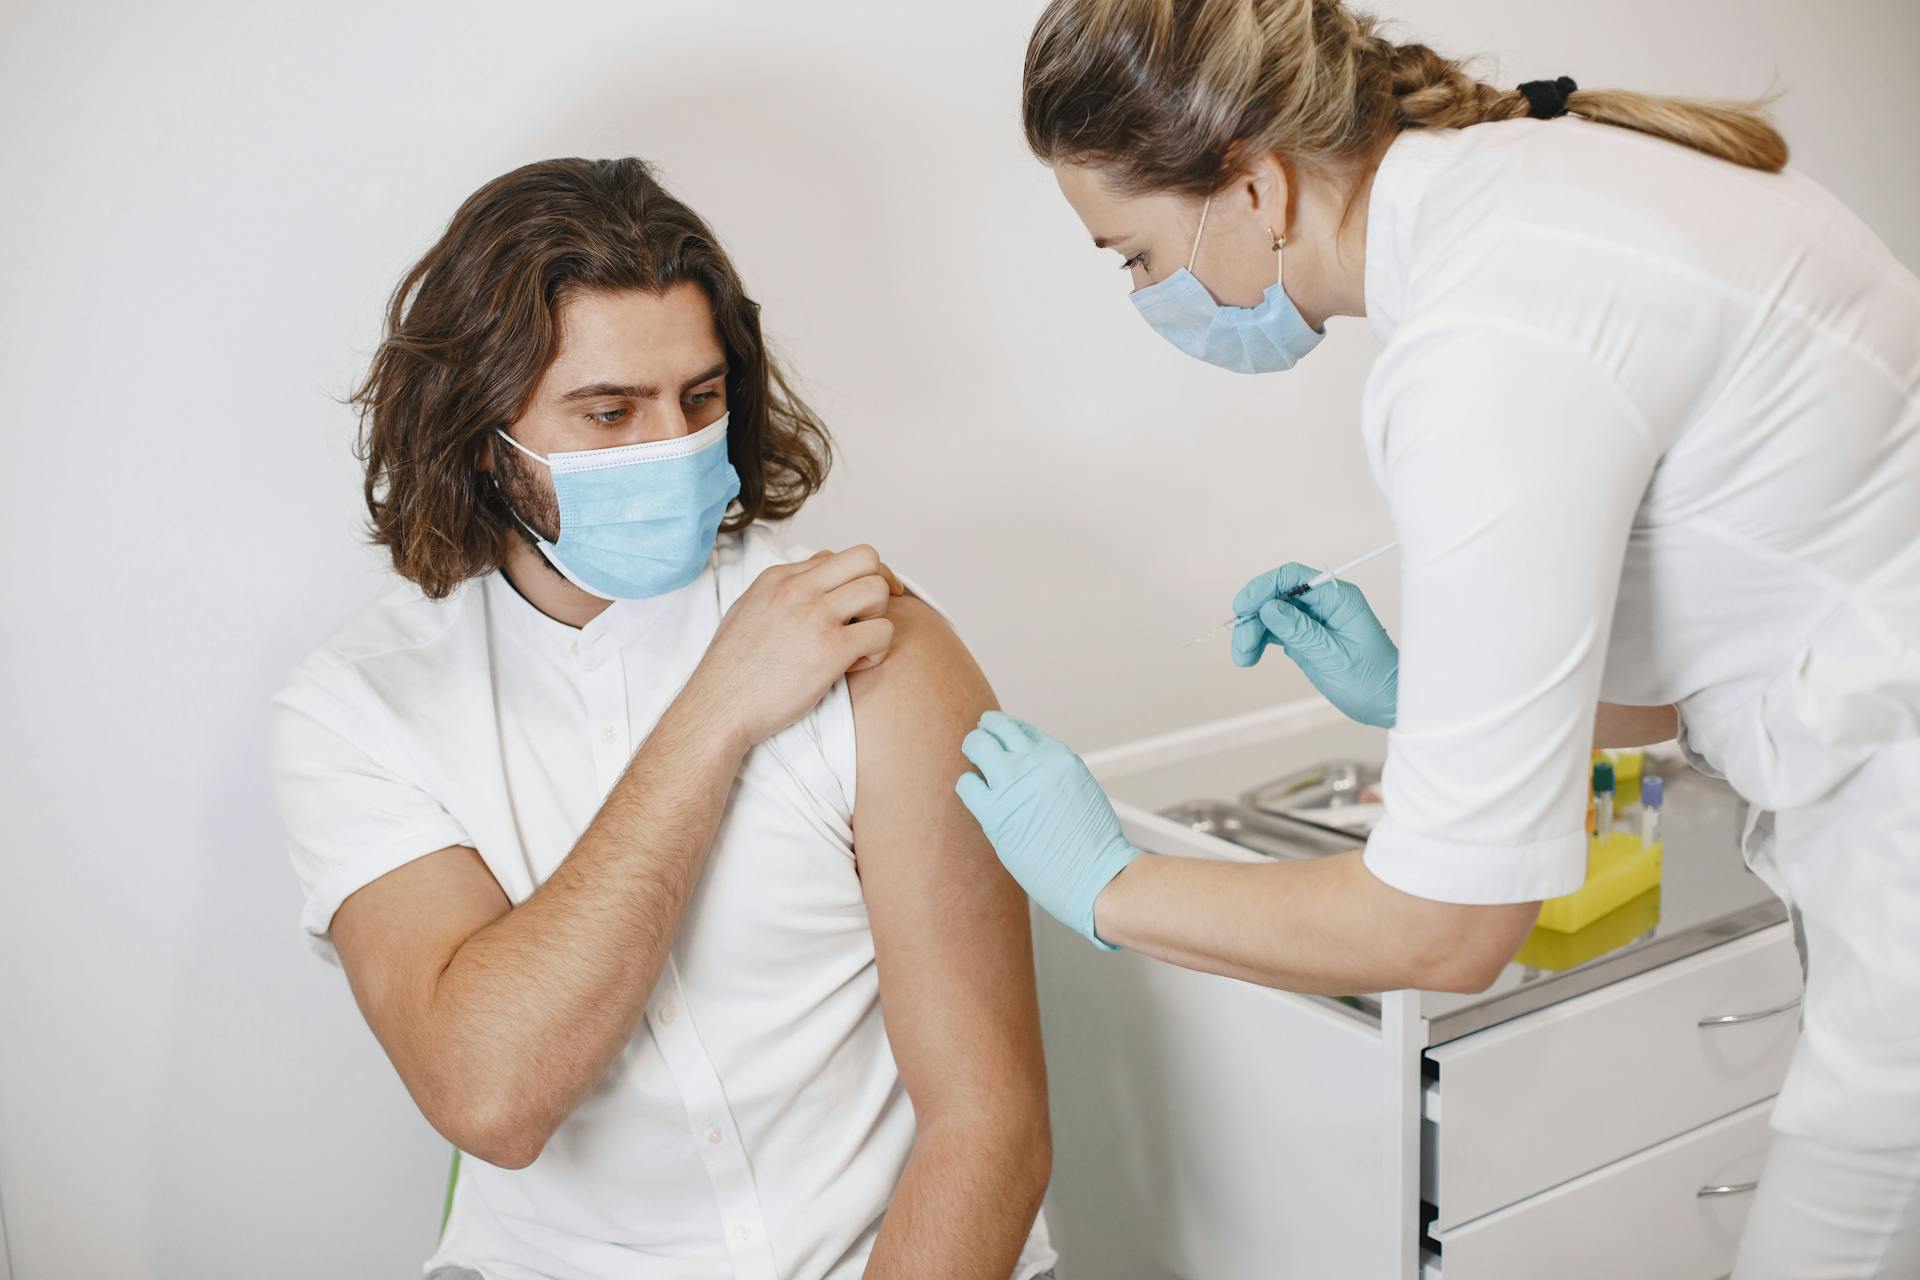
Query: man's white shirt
(755, 1125)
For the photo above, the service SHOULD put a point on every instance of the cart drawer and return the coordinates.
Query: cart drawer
(1674, 1212)
(1548, 1097)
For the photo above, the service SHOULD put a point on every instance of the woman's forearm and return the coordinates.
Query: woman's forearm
(1325, 926)
(1617, 725)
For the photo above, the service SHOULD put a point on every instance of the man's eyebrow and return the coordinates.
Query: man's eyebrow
(612, 390)
(717, 370)
(638, 390)
(1107, 242)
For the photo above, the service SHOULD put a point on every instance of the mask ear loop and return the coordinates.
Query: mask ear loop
(538, 458)
(1278, 242)
(538, 541)
(1193, 254)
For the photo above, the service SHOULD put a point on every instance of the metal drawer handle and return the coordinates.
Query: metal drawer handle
(1732, 1018)
(1732, 1189)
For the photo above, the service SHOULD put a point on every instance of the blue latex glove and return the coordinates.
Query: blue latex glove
(1052, 825)
(1330, 632)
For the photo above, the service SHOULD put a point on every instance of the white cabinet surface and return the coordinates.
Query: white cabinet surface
(1206, 1129)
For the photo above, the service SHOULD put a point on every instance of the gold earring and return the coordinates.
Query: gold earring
(1278, 241)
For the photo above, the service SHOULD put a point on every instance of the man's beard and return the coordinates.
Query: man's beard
(528, 496)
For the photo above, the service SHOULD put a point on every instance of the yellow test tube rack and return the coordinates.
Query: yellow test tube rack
(1556, 952)
(1620, 867)
(1627, 768)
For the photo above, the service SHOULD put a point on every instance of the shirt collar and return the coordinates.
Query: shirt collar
(620, 624)
(1399, 183)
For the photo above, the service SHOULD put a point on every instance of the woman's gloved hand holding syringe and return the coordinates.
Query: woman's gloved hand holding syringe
(1330, 632)
(1048, 819)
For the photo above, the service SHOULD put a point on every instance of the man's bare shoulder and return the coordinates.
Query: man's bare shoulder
(929, 675)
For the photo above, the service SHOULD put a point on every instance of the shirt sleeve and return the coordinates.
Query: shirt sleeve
(350, 811)
(833, 716)
(1513, 466)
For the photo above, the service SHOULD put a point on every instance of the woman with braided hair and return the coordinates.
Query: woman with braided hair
(1648, 424)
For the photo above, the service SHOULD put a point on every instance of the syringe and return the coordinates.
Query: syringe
(1318, 580)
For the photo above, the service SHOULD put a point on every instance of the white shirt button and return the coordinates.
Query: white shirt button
(743, 1232)
(714, 1136)
(609, 736)
(665, 1015)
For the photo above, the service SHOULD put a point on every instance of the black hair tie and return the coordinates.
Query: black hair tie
(1548, 98)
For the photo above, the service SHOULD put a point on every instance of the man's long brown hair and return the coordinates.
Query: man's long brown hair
(472, 328)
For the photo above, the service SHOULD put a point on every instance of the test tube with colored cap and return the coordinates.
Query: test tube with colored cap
(1602, 798)
(1652, 794)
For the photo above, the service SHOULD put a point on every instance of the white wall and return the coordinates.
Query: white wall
(202, 207)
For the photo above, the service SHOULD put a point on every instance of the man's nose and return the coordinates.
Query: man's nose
(660, 422)
(673, 422)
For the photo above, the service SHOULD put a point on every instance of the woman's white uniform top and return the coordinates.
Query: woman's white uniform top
(1647, 425)
(755, 1124)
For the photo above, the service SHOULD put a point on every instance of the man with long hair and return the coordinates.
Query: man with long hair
(575, 805)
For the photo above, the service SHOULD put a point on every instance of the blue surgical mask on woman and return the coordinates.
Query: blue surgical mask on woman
(1261, 339)
(638, 520)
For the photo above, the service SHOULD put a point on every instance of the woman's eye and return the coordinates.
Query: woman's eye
(702, 397)
(1137, 260)
(608, 417)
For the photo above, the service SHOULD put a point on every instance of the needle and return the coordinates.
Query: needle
(1318, 580)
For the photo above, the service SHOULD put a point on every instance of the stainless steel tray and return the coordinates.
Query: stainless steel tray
(1263, 833)
(1331, 784)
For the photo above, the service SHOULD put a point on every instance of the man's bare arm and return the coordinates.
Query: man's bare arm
(500, 1020)
(950, 931)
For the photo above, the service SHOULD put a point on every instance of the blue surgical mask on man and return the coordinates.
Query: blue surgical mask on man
(1260, 339)
(638, 520)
